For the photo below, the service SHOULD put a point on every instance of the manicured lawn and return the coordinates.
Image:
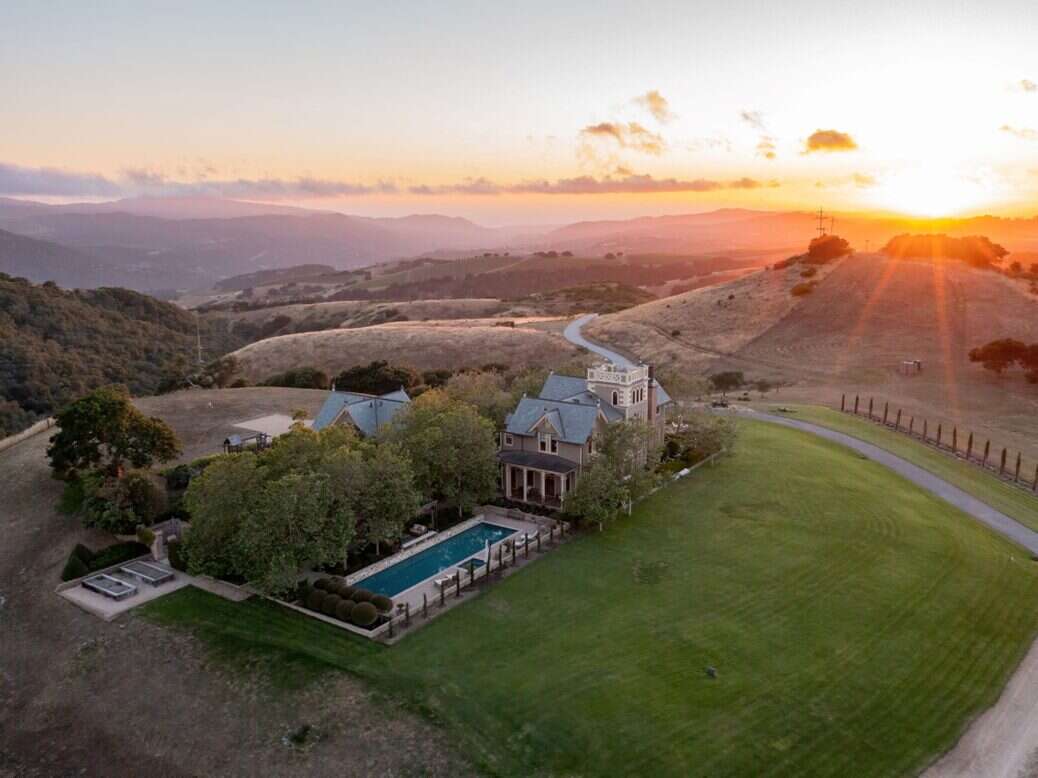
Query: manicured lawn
(983, 485)
(855, 622)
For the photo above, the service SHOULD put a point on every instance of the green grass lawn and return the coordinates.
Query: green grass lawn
(856, 624)
(985, 486)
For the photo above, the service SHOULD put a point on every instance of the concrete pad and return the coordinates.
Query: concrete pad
(107, 608)
(273, 425)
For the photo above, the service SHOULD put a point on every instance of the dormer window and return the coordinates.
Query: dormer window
(545, 443)
(554, 444)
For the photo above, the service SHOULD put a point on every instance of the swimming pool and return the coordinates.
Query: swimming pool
(425, 564)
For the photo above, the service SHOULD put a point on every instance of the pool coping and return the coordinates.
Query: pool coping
(363, 574)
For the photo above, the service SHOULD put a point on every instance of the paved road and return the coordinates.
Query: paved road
(573, 335)
(983, 512)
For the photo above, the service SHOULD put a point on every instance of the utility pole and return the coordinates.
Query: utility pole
(821, 223)
(198, 339)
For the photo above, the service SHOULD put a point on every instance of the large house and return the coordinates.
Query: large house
(549, 439)
(367, 413)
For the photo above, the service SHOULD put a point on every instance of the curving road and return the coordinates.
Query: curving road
(573, 334)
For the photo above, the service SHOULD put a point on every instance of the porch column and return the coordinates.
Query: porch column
(544, 497)
(508, 481)
(524, 484)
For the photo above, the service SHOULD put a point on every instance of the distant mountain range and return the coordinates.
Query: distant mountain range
(160, 244)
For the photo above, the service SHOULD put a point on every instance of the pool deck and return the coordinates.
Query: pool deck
(413, 596)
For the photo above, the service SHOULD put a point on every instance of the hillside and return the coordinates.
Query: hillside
(56, 345)
(867, 314)
(423, 345)
(42, 260)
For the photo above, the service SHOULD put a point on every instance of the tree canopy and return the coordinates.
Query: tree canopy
(378, 377)
(104, 430)
(999, 355)
(975, 250)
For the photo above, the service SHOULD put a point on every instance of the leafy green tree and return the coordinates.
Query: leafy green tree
(998, 355)
(598, 496)
(629, 449)
(104, 430)
(378, 377)
(385, 498)
(727, 381)
(484, 391)
(292, 523)
(697, 435)
(218, 501)
(451, 447)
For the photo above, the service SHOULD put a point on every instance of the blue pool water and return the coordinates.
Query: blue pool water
(413, 570)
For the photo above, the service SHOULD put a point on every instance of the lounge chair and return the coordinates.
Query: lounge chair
(109, 586)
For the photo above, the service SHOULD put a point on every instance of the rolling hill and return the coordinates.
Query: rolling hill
(867, 314)
(423, 345)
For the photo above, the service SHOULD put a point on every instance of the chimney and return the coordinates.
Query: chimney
(650, 412)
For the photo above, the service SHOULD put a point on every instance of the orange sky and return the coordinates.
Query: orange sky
(528, 113)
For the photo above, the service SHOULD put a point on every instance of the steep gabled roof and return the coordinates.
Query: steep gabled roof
(366, 411)
(575, 421)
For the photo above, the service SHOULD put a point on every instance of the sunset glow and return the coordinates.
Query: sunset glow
(496, 114)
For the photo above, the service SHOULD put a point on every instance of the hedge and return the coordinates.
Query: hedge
(74, 568)
(84, 553)
(382, 603)
(324, 584)
(119, 552)
(364, 614)
(177, 557)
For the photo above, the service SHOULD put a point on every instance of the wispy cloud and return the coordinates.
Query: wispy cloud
(46, 182)
(1024, 133)
(622, 182)
(766, 147)
(657, 105)
(631, 135)
(863, 180)
(828, 141)
(753, 118)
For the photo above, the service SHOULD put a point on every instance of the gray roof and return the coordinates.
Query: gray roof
(574, 421)
(537, 460)
(562, 387)
(367, 412)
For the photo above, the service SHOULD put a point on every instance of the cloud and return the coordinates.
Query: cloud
(863, 180)
(753, 118)
(628, 136)
(829, 140)
(46, 181)
(1024, 133)
(766, 147)
(622, 182)
(656, 104)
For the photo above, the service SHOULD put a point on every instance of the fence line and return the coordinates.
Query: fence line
(1004, 465)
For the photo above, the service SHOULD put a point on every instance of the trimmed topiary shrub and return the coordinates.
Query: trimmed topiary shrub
(362, 595)
(344, 610)
(345, 591)
(364, 614)
(324, 584)
(303, 589)
(382, 603)
(331, 602)
(315, 599)
(74, 568)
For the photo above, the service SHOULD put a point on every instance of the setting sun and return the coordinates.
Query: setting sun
(931, 191)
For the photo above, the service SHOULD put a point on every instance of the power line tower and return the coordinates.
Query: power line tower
(832, 225)
(821, 222)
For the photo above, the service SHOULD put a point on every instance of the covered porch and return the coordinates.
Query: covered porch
(533, 477)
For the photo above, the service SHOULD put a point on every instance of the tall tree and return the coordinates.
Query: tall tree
(104, 430)
(452, 448)
(598, 496)
(998, 355)
(386, 498)
(292, 523)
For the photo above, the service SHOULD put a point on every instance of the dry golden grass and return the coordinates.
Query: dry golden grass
(423, 345)
(867, 314)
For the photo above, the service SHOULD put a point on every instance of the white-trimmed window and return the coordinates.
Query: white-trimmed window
(544, 441)
(554, 445)
(509, 440)
(616, 398)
